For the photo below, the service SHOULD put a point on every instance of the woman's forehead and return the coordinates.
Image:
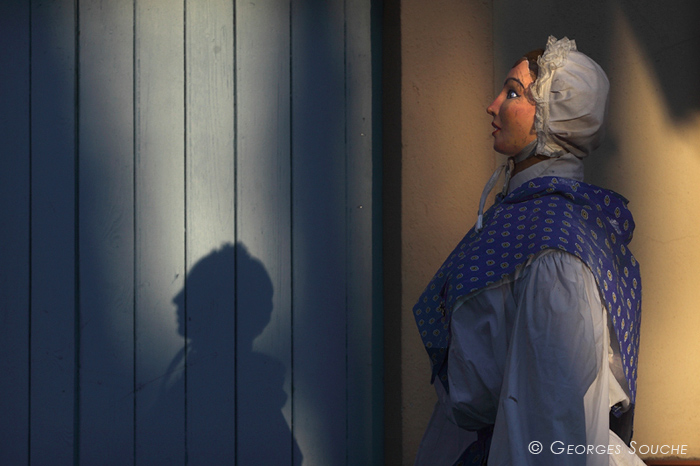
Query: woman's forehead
(520, 72)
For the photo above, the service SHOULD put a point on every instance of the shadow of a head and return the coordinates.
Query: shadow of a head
(225, 289)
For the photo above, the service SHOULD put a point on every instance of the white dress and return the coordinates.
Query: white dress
(532, 356)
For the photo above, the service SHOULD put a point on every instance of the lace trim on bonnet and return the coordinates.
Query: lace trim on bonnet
(554, 57)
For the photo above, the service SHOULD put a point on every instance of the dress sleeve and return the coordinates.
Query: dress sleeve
(554, 389)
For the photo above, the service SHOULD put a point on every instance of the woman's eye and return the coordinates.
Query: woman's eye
(511, 94)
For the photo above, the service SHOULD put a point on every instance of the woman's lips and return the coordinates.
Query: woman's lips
(496, 130)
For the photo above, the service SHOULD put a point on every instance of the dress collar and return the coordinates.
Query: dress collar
(565, 166)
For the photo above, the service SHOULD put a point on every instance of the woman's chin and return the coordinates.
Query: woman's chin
(501, 151)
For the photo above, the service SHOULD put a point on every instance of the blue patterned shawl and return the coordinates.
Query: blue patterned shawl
(589, 222)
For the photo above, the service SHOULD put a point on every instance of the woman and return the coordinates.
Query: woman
(532, 323)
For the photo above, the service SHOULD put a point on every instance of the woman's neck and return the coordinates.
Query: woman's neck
(527, 163)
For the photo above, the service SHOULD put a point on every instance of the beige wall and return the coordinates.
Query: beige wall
(447, 83)
(660, 145)
(453, 54)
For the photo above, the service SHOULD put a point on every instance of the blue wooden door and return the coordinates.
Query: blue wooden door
(188, 248)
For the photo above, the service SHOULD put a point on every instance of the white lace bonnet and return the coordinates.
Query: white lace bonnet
(571, 100)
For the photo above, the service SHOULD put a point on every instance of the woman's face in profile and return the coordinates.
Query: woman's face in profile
(513, 112)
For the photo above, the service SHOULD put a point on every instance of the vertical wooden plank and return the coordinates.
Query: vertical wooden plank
(106, 232)
(264, 227)
(53, 232)
(362, 404)
(14, 231)
(160, 233)
(319, 236)
(207, 305)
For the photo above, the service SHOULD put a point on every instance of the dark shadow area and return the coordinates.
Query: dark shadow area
(263, 435)
(320, 231)
(225, 304)
(671, 39)
(378, 339)
(391, 245)
(14, 233)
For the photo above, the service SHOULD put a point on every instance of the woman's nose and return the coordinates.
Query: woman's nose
(491, 109)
